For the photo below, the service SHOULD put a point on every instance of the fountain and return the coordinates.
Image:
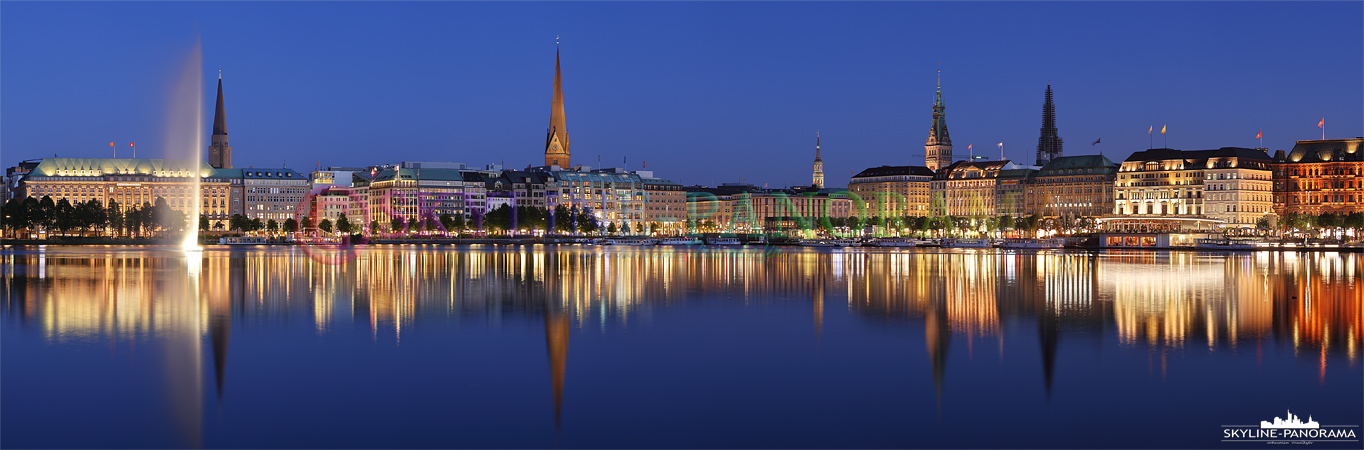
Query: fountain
(185, 133)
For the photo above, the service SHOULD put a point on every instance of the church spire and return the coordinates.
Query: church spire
(220, 153)
(1049, 143)
(819, 166)
(938, 148)
(556, 139)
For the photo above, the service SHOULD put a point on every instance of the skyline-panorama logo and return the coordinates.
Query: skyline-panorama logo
(1290, 430)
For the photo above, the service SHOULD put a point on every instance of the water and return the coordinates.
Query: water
(571, 346)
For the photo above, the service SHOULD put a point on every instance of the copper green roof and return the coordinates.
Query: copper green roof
(93, 167)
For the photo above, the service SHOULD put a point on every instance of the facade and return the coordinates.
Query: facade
(1319, 176)
(556, 138)
(938, 148)
(1011, 192)
(1049, 143)
(1239, 189)
(818, 179)
(419, 194)
(893, 191)
(1075, 186)
(665, 203)
(219, 152)
(1171, 183)
(791, 210)
(614, 195)
(330, 204)
(130, 182)
(520, 188)
(966, 188)
(273, 193)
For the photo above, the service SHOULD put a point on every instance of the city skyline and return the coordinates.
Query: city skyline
(654, 97)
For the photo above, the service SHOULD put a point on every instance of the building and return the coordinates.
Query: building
(1074, 186)
(1049, 143)
(793, 211)
(1239, 188)
(818, 179)
(613, 195)
(130, 182)
(1010, 191)
(271, 193)
(330, 204)
(665, 203)
(893, 191)
(938, 148)
(556, 137)
(1319, 176)
(967, 188)
(419, 194)
(523, 188)
(219, 152)
(1172, 183)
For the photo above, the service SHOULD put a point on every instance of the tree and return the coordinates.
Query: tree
(421, 225)
(396, 224)
(47, 213)
(373, 226)
(457, 224)
(611, 228)
(236, 222)
(653, 227)
(343, 224)
(114, 213)
(411, 224)
(14, 214)
(447, 222)
(290, 225)
(203, 222)
(308, 223)
(498, 219)
(257, 224)
(271, 226)
(325, 225)
(65, 216)
(563, 219)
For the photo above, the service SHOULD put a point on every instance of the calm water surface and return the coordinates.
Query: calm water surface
(544, 346)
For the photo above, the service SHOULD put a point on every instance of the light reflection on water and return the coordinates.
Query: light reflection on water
(1150, 302)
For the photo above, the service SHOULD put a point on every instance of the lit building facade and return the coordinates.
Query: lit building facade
(1319, 176)
(1165, 182)
(131, 182)
(966, 188)
(613, 194)
(409, 194)
(1074, 186)
(1239, 190)
(665, 203)
(893, 191)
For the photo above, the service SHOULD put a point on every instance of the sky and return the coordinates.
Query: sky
(698, 92)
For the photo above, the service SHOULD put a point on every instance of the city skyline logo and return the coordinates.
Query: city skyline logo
(1290, 429)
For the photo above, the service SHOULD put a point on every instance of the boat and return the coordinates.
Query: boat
(1032, 243)
(680, 241)
(1225, 244)
(895, 242)
(725, 241)
(829, 243)
(631, 241)
(967, 243)
(242, 240)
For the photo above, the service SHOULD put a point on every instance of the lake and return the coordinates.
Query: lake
(482, 346)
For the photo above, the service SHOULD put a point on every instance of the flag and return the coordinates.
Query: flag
(130, 144)
(1260, 134)
(1096, 141)
(1322, 124)
(1149, 130)
(645, 164)
(111, 144)
(968, 147)
(1162, 129)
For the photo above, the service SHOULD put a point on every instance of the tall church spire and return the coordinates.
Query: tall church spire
(819, 166)
(938, 149)
(1049, 143)
(220, 153)
(556, 139)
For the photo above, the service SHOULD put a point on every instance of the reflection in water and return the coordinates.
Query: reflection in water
(1155, 300)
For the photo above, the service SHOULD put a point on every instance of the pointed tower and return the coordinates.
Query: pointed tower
(556, 140)
(1049, 144)
(819, 166)
(219, 153)
(938, 149)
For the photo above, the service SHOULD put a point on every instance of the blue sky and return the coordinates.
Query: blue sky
(701, 92)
